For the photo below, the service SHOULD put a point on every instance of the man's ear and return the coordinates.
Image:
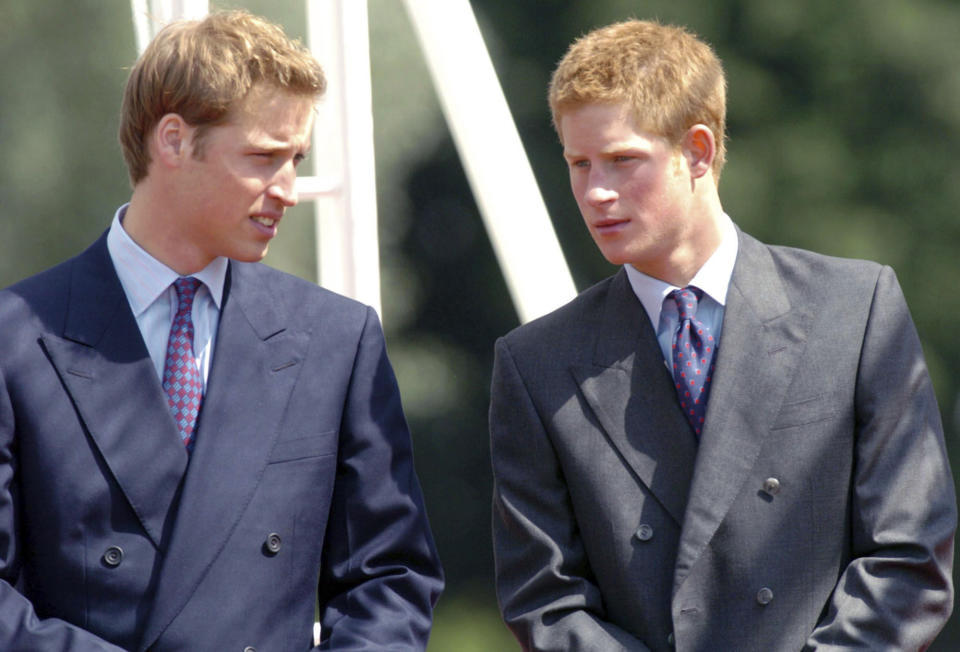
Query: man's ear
(172, 139)
(699, 148)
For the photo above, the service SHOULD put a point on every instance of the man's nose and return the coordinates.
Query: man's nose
(598, 193)
(283, 187)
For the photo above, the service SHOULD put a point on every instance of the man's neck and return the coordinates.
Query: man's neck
(704, 237)
(146, 222)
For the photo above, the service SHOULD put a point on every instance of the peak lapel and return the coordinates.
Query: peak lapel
(762, 340)
(631, 393)
(107, 371)
(255, 366)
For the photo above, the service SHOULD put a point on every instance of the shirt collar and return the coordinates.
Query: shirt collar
(144, 278)
(713, 277)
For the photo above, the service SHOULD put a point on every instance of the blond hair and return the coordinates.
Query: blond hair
(201, 70)
(670, 79)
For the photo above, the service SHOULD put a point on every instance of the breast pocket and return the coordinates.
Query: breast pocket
(811, 410)
(298, 448)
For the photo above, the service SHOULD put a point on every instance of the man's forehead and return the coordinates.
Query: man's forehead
(610, 125)
(268, 97)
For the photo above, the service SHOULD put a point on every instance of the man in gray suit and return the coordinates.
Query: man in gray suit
(726, 445)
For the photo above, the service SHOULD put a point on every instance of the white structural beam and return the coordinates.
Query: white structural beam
(493, 156)
(150, 15)
(344, 188)
(344, 184)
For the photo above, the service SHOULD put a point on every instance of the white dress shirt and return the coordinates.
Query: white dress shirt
(148, 285)
(713, 278)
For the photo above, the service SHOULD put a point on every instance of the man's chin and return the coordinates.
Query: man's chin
(250, 256)
(617, 258)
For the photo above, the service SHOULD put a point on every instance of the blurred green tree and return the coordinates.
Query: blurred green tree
(842, 120)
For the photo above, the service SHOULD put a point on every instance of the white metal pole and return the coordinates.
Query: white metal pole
(496, 165)
(141, 24)
(348, 256)
(147, 20)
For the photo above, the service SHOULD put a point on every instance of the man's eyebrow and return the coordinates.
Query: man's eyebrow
(623, 147)
(279, 146)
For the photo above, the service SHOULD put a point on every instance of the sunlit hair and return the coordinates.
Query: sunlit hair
(670, 79)
(202, 70)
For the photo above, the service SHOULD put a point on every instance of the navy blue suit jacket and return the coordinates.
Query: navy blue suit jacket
(111, 536)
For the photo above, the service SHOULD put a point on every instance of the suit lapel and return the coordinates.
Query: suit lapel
(762, 340)
(107, 371)
(255, 365)
(630, 391)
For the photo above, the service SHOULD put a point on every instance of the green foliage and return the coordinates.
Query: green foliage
(843, 117)
(465, 623)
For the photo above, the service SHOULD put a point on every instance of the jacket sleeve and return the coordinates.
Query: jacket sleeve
(545, 587)
(380, 576)
(21, 629)
(896, 591)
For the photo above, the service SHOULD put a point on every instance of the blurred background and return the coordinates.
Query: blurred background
(844, 123)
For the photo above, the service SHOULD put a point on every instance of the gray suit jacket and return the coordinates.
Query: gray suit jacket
(818, 510)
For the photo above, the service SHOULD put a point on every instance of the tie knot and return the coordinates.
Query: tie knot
(686, 300)
(186, 287)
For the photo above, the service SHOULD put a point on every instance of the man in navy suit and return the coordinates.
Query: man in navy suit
(210, 505)
(787, 487)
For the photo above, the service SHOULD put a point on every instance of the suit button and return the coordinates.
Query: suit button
(272, 544)
(113, 556)
(644, 532)
(671, 640)
(771, 486)
(249, 648)
(764, 596)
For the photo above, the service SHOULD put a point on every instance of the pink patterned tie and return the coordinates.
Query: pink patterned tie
(181, 378)
(694, 351)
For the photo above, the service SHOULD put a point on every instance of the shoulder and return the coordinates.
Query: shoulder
(292, 295)
(48, 282)
(566, 327)
(48, 292)
(807, 271)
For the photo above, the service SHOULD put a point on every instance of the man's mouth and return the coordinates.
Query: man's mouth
(266, 221)
(609, 225)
